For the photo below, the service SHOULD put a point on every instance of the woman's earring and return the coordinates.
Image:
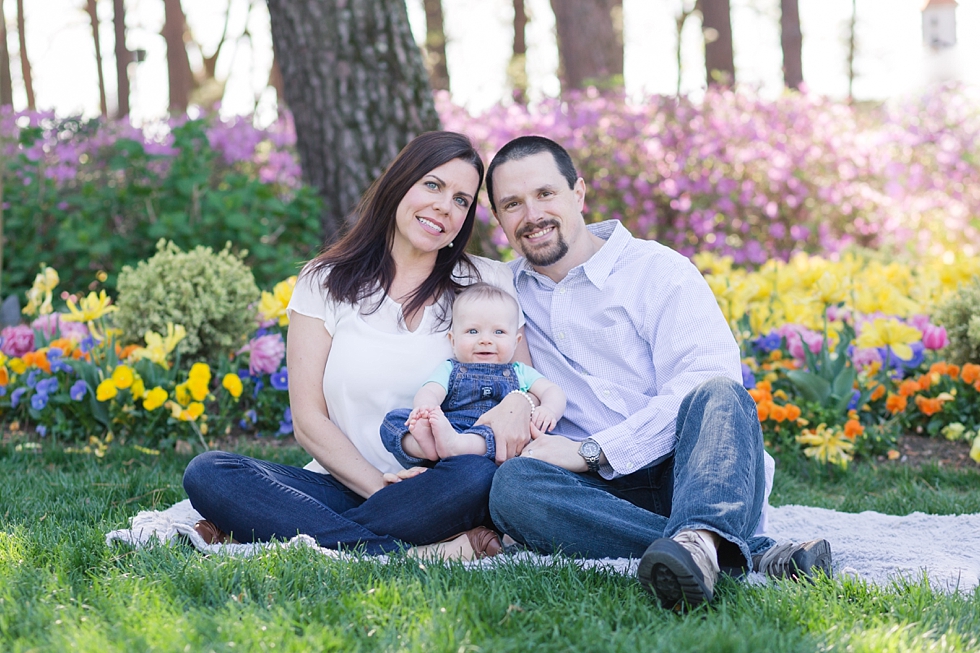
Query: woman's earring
(450, 244)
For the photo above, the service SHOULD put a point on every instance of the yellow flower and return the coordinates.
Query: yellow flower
(975, 450)
(123, 377)
(159, 347)
(200, 371)
(830, 288)
(273, 305)
(17, 366)
(195, 410)
(106, 390)
(198, 381)
(232, 384)
(39, 296)
(183, 394)
(188, 414)
(92, 308)
(828, 445)
(154, 398)
(889, 333)
(137, 389)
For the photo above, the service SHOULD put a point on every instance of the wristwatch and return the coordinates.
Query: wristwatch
(590, 451)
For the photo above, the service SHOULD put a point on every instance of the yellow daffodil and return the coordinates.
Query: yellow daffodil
(137, 389)
(889, 333)
(154, 398)
(123, 376)
(232, 384)
(273, 305)
(158, 347)
(106, 390)
(91, 308)
(828, 445)
(39, 296)
(830, 288)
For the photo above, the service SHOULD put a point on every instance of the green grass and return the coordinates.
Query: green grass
(62, 588)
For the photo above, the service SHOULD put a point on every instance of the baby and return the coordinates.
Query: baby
(441, 422)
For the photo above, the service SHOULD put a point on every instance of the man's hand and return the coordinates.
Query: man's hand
(401, 475)
(555, 449)
(510, 421)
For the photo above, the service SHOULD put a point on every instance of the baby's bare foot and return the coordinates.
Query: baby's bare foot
(449, 442)
(422, 433)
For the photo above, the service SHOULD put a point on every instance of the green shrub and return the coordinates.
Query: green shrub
(209, 293)
(960, 314)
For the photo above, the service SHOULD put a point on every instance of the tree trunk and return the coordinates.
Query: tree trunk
(93, 14)
(517, 68)
(123, 57)
(719, 57)
(679, 21)
(357, 88)
(178, 65)
(590, 52)
(25, 63)
(6, 86)
(792, 41)
(275, 81)
(435, 46)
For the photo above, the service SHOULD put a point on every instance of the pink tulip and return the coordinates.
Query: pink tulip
(17, 340)
(934, 337)
(264, 354)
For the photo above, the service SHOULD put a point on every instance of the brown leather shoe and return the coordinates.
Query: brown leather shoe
(485, 542)
(212, 534)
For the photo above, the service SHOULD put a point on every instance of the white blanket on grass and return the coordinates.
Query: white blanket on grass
(868, 545)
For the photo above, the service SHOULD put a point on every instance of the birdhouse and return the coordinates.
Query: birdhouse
(939, 24)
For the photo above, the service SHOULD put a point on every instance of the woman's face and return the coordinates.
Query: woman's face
(435, 207)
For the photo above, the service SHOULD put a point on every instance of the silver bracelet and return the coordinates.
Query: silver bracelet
(526, 396)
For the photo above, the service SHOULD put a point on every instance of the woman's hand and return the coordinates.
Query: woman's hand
(402, 474)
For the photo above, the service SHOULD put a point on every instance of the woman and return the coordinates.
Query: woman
(368, 322)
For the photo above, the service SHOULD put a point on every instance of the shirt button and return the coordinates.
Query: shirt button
(605, 393)
(562, 291)
(561, 335)
(630, 465)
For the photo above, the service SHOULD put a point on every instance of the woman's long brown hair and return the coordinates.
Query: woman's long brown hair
(360, 263)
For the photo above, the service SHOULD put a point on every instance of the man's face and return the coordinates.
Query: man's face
(537, 210)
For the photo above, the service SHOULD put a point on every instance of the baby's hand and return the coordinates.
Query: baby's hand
(544, 418)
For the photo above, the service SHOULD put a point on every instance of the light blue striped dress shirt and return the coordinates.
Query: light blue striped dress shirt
(626, 335)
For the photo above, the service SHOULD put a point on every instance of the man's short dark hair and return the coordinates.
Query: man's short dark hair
(525, 146)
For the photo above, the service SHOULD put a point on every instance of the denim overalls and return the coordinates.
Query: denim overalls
(474, 388)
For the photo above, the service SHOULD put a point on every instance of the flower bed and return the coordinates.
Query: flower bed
(841, 358)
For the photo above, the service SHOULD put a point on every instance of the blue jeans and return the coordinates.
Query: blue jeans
(256, 500)
(713, 480)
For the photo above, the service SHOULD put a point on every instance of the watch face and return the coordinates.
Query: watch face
(590, 449)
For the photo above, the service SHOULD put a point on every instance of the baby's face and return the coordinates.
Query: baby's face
(484, 331)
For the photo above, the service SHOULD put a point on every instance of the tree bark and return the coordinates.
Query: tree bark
(435, 46)
(123, 57)
(791, 36)
(851, 50)
(679, 21)
(6, 85)
(517, 68)
(590, 52)
(719, 56)
(25, 63)
(275, 81)
(357, 88)
(179, 73)
(93, 13)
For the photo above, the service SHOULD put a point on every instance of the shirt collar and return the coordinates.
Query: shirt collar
(598, 268)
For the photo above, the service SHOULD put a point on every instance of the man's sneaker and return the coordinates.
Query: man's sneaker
(681, 570)
(795, 561)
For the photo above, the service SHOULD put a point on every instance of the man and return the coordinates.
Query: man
(660, 452)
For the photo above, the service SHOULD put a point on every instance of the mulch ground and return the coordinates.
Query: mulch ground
(917, 450)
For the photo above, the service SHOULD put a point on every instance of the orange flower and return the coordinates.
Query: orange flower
(953, 371)
(938, 368)
(778, 413)
(763, 408)
(764, 385)
(792, 412)
(878, 392)
(122, 353)
(853, 428)
(776, 355)
(4, 375)
(970, 373)
(895, 404)
(976, 386)
(760, 395)
(64, 344)
(925, 381)
(908, 388)
(38, 359)
(929, 407)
